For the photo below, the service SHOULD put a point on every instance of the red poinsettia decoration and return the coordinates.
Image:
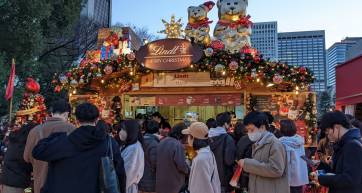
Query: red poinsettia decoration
(32, 86)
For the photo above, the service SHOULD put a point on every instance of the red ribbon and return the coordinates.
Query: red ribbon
(203, 23)
(244, 21)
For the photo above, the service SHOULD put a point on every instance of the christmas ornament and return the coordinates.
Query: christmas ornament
(277, 79)
(57, 89)
(73, 83)
(302, 69)
(81, 81)
(32, 86)
(131, 56)
(217, 45)
(253, 73)
(63, 79)
(69, 74)
(108, 70)
(219, 68)
(173, 28)
(209, 52)
(233, 65)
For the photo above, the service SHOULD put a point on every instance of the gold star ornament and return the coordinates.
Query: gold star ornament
(173, 28)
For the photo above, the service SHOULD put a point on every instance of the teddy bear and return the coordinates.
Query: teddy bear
(198, 26)
(234, 26)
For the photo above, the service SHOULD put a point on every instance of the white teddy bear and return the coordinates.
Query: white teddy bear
(234, 26)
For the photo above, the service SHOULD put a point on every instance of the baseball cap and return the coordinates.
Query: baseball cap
(198, 130)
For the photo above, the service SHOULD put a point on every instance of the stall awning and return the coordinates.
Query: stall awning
(349, 82)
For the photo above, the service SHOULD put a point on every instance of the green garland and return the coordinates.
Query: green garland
(247, 66)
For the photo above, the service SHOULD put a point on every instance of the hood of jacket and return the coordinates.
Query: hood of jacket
(87, 137)
(214, 132)
(294, 142)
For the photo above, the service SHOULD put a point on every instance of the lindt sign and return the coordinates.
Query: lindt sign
(169, 54)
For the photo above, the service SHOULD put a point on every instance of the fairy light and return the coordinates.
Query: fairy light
(74, 91)
(270, 85)
(102, 81)
(223, 73)
(258, 80)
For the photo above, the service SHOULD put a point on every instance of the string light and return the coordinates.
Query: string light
(102, 81)
(270, 85)
(74, 91)
(223, 73)
(258, 80)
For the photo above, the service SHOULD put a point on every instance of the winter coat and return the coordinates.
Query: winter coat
(347, 162)
(40, 168)
(16, 172)
(74, 160)
(244, 150)
(268, 170)
(297, 167)
(133, 157)
(204, 176)
(224, 149)
(148, 181)
(171, 168)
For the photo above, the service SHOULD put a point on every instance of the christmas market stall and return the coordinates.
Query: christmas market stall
(192, 75)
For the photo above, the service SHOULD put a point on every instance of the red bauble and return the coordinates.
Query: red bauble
(217, 45)
(57, 89)
(302, 70)
(32, 86)
(68, 74)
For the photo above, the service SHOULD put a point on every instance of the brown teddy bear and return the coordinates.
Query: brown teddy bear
(198, 26)
(234, 26)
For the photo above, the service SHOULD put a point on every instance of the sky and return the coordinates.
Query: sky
(339, 18)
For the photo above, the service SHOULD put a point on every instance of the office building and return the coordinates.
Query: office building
(307, 49)
(265, 38)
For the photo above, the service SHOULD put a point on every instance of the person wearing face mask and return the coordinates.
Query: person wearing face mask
(224, 149)
(268, 167)
(132, 153)
(346, 173)
(204, 176)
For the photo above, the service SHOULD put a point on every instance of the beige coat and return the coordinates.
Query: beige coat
(40, 168)
(268, 168)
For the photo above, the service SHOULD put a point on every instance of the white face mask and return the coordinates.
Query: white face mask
(123, 135)
(255, 136)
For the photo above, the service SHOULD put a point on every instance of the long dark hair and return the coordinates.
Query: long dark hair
(133, 129)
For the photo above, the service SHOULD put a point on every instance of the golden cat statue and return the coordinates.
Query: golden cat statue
(198, 27)
(234, 26)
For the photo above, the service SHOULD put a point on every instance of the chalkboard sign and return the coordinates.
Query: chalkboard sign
(263, 103)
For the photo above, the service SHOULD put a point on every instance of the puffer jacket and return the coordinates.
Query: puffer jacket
(148, 181)
(16, 172)
(224, 149)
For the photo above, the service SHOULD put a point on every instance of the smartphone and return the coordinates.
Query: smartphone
(310, 162)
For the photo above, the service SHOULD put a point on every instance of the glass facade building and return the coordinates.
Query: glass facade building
(265, 38)
(305, 49)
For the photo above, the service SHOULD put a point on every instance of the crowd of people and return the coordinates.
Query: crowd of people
(149, 155)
